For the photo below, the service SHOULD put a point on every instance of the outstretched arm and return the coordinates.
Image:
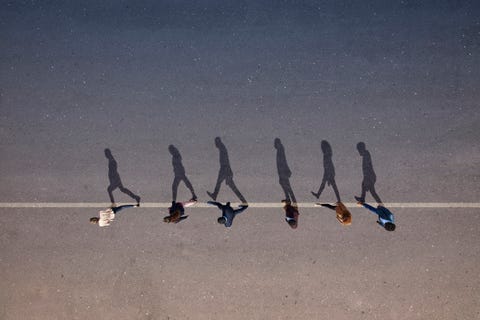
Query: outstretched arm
(214, 203)
(238, 211)
(369, 207)
(120, 208)
(189, 203)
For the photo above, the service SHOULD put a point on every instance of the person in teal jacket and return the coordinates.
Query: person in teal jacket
(385, 216)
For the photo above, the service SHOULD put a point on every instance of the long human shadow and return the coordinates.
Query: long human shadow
(328, 171)
(369, 176)
(179, 172)
(284, 172)
(115, 181)
(225, 173)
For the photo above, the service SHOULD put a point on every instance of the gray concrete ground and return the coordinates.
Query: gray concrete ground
(402, 78)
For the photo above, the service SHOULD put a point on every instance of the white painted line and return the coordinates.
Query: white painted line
(252, 205)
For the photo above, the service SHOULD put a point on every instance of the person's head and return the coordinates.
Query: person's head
(108, 153)
(361, 148)
(222, 220)
(167, 219)
(326, 148)
(345, 219)
(94, 220)
(389, 226)
(292, 223)
(277, 143)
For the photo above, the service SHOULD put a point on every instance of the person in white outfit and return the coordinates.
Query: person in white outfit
(108, 215)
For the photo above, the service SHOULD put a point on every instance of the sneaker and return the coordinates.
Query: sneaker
(359, 199)
(316, 195)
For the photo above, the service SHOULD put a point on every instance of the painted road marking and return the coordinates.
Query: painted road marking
(436, 205)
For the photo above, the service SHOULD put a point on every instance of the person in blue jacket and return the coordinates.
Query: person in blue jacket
(228, 213)
(385, 216)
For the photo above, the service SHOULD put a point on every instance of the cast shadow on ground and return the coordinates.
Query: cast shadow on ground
(179, 172)
(225, 173)
(284, 172)
(328, 171)
(369, 176)
(114, 179)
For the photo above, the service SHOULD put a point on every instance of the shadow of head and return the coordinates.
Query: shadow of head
(218, 142)
(326, 148)
(173, 151)
(108, 154)
(361, 148)
(277, 143)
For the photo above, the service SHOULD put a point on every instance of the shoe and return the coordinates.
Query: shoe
(359, 199)
(316, 195)
(194, 198)
(214, 197)
(138, 200)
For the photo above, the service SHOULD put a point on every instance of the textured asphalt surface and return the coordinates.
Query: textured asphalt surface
(137, 77)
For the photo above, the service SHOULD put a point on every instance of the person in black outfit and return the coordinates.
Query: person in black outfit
(115, 181)
(369, 176)
(328, 171)
(228, 213)
(284, 172)
(225, 173)
(179, 172)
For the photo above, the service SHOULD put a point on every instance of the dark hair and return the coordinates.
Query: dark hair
(389, 226)
(94, 220)
(292, 223)
(221, 220)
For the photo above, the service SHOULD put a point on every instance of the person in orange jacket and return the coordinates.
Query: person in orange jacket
(343, 215)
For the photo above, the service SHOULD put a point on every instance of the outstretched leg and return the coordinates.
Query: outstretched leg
(287, 188)
(364, 192)
(320, 190)
(175, 183)
(190, 187)
(129, 193)
(110, 192)
(231, 184)
(375, 195)
(214, 194)
(335, 189)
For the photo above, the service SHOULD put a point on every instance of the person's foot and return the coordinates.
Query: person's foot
(137, 198)
(212, 195)
(316, 195)
(359, 199)
(194, 198)
(113, 205)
